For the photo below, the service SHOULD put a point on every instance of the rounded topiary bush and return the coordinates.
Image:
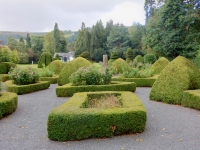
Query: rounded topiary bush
(3, 69)
(159, 65)
(178, 76)
(113, 57)
(72, 67)
(149, 58)
(85, 55)
(119, 65)
(9, 65)
(56, 66)
(45, 58)
(129, 55)
(57, 57)
(138, 59)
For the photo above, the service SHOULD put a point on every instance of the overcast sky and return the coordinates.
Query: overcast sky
(41, 15)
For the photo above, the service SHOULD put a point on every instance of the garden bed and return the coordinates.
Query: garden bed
(8, 103)
(23, 89)
(140, 82)
(74, 120)
(52, 80)
(68, 90)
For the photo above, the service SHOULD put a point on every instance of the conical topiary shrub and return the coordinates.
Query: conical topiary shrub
(72, 67)
(159, 65)
(118, 65)
(129, 55)
(113, 57)
(178, 76)
(45, 58)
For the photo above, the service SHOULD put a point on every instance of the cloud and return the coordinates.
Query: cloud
(41, 15)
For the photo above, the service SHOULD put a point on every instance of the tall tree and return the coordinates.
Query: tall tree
(48, 45)
(28, 41)
(21, 39)
(12, 43)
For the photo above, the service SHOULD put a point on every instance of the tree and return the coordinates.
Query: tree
(21, 39)
(28, 41)
(37, 45)
(14, 57)
(49, 43)
(12, 43)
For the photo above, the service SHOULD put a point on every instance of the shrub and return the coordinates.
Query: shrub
(149, 58)
(70, 68)
(8, 103)
(52, 80)
(45, 58)
(159, 65)
(23, 76)
(178, 76)
(119, 65)
(129, 55)
(56, 66)
(9, 65)
(0, 85)
(73, 121)
(138, 59)
(113, 57)
(196, 61)
(85, 55)
(3, 69)
(45, 72)
(57, 57)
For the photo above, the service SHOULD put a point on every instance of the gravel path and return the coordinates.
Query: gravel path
(169, 127)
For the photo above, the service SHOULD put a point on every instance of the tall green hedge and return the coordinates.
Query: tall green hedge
(45, 58)
(191, 98)
(72, 67)
(3, 69)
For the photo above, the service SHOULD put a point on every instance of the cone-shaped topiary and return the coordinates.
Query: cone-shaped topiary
(179, 75)
(113, 57)
(45, 58)
(159, 65)
(149, 58)
(120, 64)
(56, 66)
(71, 67)
(129, 55)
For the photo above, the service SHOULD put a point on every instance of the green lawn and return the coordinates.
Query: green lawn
(27, 65)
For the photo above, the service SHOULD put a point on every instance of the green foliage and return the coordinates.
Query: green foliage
(8, 103)
(9, 65)
(52, 80)
(119, 65)
(46, 59)
(3, 69)
(56, 66)
(196, 61)
(23, 76)
(45, 72)
(85, 55)
(68, 90)
(0, 85)
(149, 58)
(70, 68)
(28, 41)
(159, 65)
(14, 57)
(191, 98)
(138, 59)
(49, 43)
(70, 121)
(179, 75)
(23, 58)
(23, 89)
(4, 77)
(57, 57)
(129, 55)
(5, 54)
(90, 76)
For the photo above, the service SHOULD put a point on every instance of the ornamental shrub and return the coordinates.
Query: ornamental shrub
(113, 57)
(138, 59)
(3, 69)
(179, 75)
(159, 65)
(45, 72)
(72, 67)
(56, 66)
(85, 55)
(149, 58)
(119, 65)
(9, 65)
(129, 55)
(23, 76)
(57, 57)
(45, 58)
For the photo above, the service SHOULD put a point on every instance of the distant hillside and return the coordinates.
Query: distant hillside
(70, 35)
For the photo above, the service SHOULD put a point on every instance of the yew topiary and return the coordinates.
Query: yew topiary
(149, 58)
(72, 67)
(138, 59)
(45, 58)
(178, 76)
(129, 55)
(159, 65)
(56, 66)
(3, 69)
(119, 65)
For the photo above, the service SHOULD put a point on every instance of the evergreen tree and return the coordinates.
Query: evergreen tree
(21, 39)
(12, 43)
(14, 57)
(28, 41)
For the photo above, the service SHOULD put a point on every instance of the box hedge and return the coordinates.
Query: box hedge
(71, 121)
(178, 76)
(68, 89)
(52, 80)
(4, 77)
(8, 103)
(23, 89)
(140, 82)
(191, 98)
(159, 65)
(70, 68)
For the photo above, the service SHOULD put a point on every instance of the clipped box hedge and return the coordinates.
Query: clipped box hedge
(140, 82)
(8, 103)
(23, 89)
(52, 80)
(70, 121)
(191, 98)
(4, 77)
(68, 90)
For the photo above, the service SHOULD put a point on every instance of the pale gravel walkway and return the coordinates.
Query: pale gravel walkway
(169, 127)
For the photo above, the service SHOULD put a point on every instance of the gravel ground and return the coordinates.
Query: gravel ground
(169, 127)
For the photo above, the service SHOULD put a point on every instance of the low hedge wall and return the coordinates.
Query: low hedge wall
(4, 77)
(68, 90)
(70, 121)
(52, 80)
(23, 89)
(191, 98)
(8, 103)
(140, 82)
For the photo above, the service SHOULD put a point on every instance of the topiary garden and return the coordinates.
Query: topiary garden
(45, 59)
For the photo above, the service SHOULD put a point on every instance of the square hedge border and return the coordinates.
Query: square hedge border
(5, 77)
(140, 82)
(29, 88)
(191, 98)
(70, 121)
(68, 90)
(8, 103)
(52, 80)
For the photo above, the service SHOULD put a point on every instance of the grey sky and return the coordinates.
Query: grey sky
(41, 15)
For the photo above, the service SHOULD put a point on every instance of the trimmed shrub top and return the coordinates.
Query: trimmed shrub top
(177, 76)
(45, 58)
(85, 55)
(119, 65)
(3, 69)
(138, 59)
(149, 58)
(9, 65)
(56, 66)
(159, 65)
(72, 67)
(129, 55)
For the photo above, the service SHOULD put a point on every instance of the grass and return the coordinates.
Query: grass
(27, 65)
